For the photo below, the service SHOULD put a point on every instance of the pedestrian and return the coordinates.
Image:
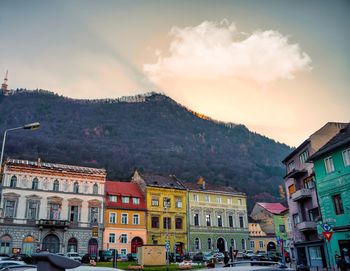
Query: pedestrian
(226, 259)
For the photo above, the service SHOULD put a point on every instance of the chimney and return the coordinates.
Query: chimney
(201, 182)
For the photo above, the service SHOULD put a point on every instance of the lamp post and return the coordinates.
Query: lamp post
(29, 126)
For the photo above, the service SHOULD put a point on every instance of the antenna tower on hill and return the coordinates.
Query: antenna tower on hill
(4, 90)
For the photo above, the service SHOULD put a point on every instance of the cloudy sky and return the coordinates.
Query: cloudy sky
(282, 68)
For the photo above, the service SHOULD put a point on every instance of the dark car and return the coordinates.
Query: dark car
(87, 257)
(198, 257)
(175, 257)
(132, 257)
(105, 255)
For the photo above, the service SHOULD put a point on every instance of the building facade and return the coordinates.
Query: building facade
(217, 218)
(260, 240)
(166, 210)
(125, 217)
(301, 194)
(51, 207)
(332, 171)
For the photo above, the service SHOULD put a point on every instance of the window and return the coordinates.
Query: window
(76, 188)
(209, 244)
(233, 243)
(314, 214)
(304, 156)
(291, 189)
(338, 205)
(207, 220)
(230, 221)
(207, 198)
(155, 222)
(54, 211)
(10, 208)
(196, 219)
(136, 219)
(112, 218)
(124, 238)
(13, 182)
(32, 209)
(195, 197)
(196, 243)
(178, 223)
(282, 228)
(94, 215)
(125, 199)
(346, 157)
(219, 220)
(239, 201)
(95, 189)
(309, 182)
(111, 238)
(112, 198)
(178, 203)
(296, 219)
(241, 222)
(56, 186)
(290, 166)
(124, 218)
(166, 203)
(123, 251)
(74, 213)
(166, 222)
(252, 244)
(35, 184)
(229, 201)
(155, 201)
(5, 244)
(328, 162)
(136, 201)
(261, 244)
(243, 244)
(218, 200)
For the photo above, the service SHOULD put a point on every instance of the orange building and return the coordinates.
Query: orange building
(125, 211)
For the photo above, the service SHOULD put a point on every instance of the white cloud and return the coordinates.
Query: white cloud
(215, 50)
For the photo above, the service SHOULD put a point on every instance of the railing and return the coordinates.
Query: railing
(216, 228)
(52, 223)
(302, 194)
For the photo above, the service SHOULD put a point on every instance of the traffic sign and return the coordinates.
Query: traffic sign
(326, 227)
(167, 246)
(328, 235)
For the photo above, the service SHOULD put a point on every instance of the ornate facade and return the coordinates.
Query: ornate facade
(53, 207)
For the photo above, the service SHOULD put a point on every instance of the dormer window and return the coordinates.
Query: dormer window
(112, 198)
(76, 188)
(56, 186)
(95, 189)
(35, 184)
(125, 199)
(13, 182)
(135, 200)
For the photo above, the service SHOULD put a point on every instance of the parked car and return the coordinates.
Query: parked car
(87, 257)
(132, 257)
(105, 255)
(175, 257)
(4, 256)
(207, 256)
(218, 256)
(248, 254)
(198, 257)
(73, 255)
(122, 258)
(6, 263)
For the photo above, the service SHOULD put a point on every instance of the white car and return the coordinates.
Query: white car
(6, 263)
(74, 256)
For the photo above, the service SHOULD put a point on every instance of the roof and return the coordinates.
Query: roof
(295, 151)
(274, 208)
(162, 181)
(214, 188)
(338, 141)
(124, 189)
(57, 167)
(252, 220)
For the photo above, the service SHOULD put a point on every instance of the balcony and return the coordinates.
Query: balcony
(301, 194)
(307, 226)
(52, 223)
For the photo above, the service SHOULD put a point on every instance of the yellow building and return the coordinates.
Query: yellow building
(166, 210)
(258, 239)
(125, 217)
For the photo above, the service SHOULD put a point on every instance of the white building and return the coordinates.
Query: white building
(54, 207)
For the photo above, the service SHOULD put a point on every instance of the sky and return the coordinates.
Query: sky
(282, 68)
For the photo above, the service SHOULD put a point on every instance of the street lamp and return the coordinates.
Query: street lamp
(29, 126)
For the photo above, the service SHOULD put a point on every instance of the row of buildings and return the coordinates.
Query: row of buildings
(317, 183)
(64, 208)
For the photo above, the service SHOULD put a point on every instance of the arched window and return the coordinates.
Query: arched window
(209, 244)
(233, 243)
(72, 245)
(76, 188)
(56, 185)
(5, 244)
(13, 182)
(243, 244)
(196, 243)
(95, 189)
(35, 184)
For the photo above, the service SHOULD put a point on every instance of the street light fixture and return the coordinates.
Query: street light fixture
(29, 126)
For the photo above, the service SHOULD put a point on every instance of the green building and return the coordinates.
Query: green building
(332, 172)
(217, 218)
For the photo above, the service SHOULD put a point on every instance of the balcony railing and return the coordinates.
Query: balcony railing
(302, 194)
(307, 226)
(52, 223)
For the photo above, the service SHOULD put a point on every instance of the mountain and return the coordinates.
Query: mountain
(150, 132)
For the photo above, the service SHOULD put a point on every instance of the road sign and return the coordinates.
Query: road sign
(328, 235)
(326, 227)
(278, 239)
(167, 246)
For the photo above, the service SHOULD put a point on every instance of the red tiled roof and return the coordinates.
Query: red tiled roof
(128, 189)
(274, 208)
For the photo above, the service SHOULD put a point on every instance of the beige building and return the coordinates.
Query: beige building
(258, 239)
